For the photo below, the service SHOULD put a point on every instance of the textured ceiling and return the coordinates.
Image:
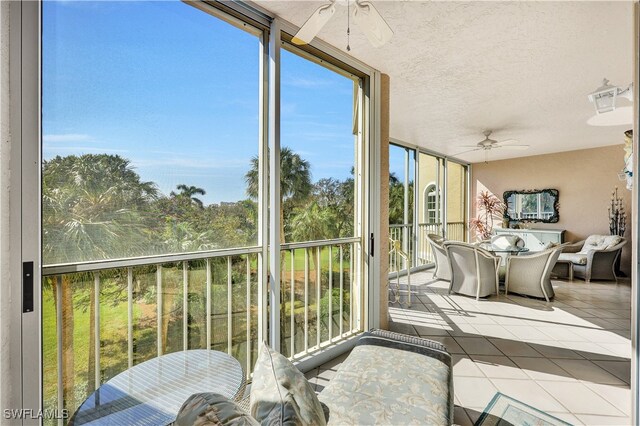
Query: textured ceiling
(522, 69)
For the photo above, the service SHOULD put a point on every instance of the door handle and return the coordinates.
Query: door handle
(372, 241)
(27, 287)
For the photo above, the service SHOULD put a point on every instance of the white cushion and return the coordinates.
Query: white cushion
(611, 240)
(599, 242)
(577, 258)
(506, 241)
(593, 242)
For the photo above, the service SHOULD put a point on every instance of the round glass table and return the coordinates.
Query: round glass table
(152, 392)
(503, 252)
(500, 249)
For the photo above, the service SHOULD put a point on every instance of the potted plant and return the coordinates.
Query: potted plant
(488, 208)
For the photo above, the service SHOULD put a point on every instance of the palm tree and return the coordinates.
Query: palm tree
(188, 193)
(396, 200)
(295, 182)
(91, 211)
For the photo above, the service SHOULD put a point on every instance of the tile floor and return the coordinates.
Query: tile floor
(569, 358)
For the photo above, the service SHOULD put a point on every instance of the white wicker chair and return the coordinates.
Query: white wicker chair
(474, 271)
(596, 264)
(443, 269)
(531, 275)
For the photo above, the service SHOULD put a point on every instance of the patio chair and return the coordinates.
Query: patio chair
(594, 258)
(531, 275)
(474, 271)
(442, 270)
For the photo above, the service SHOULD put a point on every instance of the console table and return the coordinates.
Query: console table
(535, 239)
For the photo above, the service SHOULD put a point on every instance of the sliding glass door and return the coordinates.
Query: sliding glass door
(441, 206)
(321, 156)
(457, 195)
(430, 206)
(402, 162)
(155, 192)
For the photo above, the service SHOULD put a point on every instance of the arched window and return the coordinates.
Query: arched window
(431, 211)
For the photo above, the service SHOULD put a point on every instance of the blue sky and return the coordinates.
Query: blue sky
(396, 162)
(175, 91)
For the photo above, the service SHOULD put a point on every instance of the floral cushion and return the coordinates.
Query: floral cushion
(387, 385)
(212, 409)
(281, 395)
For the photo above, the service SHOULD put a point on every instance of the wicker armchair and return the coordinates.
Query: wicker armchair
(443, 269)
(593, 263)
(474, 271)
(531, 275)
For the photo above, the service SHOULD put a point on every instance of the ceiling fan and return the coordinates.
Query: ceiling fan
(363, 13)
(487, 144)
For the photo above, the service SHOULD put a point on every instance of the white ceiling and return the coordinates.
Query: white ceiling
(522, 69)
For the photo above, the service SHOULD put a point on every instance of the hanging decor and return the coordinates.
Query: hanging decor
(628, 158)
(617, 215)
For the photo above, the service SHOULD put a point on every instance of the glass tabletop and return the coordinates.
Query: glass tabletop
(151, 393)
(497, 249)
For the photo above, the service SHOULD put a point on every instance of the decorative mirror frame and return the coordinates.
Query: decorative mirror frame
(556, 206)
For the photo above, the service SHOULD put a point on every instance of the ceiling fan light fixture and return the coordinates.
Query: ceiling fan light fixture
(604, 97)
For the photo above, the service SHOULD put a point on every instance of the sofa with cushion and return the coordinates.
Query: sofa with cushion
(392, 379)
(388, 378)
(595, 257)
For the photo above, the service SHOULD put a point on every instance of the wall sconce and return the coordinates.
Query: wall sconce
(604, 97)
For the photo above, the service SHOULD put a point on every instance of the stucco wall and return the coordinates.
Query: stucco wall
(384, 201)
(5, 151)
(585, 179)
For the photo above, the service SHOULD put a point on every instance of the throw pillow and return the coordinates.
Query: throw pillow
(611, 241)
(280, 394)
(593, 242)
(212, 409)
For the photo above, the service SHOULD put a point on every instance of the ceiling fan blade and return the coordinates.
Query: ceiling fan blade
(314, 24)
(464, 152)
(372, 23)
(509, 141)
(512, 146)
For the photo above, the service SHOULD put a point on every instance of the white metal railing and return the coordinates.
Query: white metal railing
(395, 248)
(402, 233)
(420, 251)
(229, 302)
(214, 292)
(320, 298)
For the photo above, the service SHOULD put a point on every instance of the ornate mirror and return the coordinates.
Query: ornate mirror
(532, 205)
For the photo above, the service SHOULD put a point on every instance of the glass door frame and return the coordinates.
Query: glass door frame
(443, 197)
(25, 65)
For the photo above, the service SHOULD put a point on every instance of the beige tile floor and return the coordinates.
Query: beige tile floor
(569, 358)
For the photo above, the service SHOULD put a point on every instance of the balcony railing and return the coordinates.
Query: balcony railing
(421, 255)
(101, 318)
(320, 297)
